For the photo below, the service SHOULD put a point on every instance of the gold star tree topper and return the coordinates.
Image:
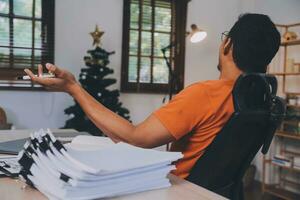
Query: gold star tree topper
(97, 34)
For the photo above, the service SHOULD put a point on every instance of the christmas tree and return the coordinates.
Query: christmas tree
(93, 80)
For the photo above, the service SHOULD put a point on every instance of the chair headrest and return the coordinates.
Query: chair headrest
(254, 91)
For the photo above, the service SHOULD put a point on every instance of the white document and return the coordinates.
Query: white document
(87, 143)
(121, 157)
(95, 167)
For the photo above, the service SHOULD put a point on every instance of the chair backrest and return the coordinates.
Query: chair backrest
(257, 114)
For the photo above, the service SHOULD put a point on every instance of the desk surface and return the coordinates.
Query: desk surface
(14, 190)
(181, 189)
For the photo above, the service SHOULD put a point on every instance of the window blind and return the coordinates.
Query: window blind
(149, 26)
(151, 29)
(26, 34)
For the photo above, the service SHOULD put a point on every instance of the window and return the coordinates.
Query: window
(26, 39)
(148, 26)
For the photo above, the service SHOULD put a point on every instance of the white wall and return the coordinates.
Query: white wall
(76, 18)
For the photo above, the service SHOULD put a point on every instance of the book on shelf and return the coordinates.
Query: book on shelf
(296, 167)
(297, 163)
(281, 163)
(282, 160)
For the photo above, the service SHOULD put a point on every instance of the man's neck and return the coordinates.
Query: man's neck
(230, 72)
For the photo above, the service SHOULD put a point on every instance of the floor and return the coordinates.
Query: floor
(254, 192)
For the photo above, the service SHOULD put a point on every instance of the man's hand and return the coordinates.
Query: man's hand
(64, 81)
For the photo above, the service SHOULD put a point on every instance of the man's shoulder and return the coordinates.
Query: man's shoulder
(203, 88)
(209, 83)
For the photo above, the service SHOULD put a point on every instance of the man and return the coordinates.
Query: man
(194, 117)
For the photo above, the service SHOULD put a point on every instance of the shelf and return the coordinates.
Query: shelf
(291, 152)
(293, 106)
(288, 25)
(282, 193)
(285, 73)
(286, 168)
(287, 181)
(288, 135)
(291, 43)
(294, 122)
(293, 93)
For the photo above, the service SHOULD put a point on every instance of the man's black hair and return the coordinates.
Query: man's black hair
(255, 41)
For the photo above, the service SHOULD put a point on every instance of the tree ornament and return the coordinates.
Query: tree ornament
(97, 34)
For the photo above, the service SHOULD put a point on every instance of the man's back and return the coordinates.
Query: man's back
(194, 117)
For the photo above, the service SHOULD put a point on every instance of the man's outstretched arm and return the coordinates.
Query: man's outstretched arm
(148, 134)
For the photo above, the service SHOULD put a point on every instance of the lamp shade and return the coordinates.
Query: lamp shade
(196, 35)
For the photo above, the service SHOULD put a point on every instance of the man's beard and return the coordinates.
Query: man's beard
(219, 67)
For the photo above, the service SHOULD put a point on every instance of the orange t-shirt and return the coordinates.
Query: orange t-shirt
(194, 117)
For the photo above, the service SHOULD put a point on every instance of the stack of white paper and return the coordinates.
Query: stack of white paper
(62, 172)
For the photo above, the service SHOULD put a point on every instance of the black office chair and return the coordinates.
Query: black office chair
(257, 114)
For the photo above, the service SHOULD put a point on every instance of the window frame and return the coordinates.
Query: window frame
(180, 17)
(47, 20)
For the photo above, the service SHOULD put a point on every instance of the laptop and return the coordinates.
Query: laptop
(13, 147)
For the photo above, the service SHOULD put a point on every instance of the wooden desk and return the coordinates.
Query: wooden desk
(14, 190)
(180, 190)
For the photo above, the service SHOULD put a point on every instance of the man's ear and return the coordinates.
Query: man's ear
(227, 46)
